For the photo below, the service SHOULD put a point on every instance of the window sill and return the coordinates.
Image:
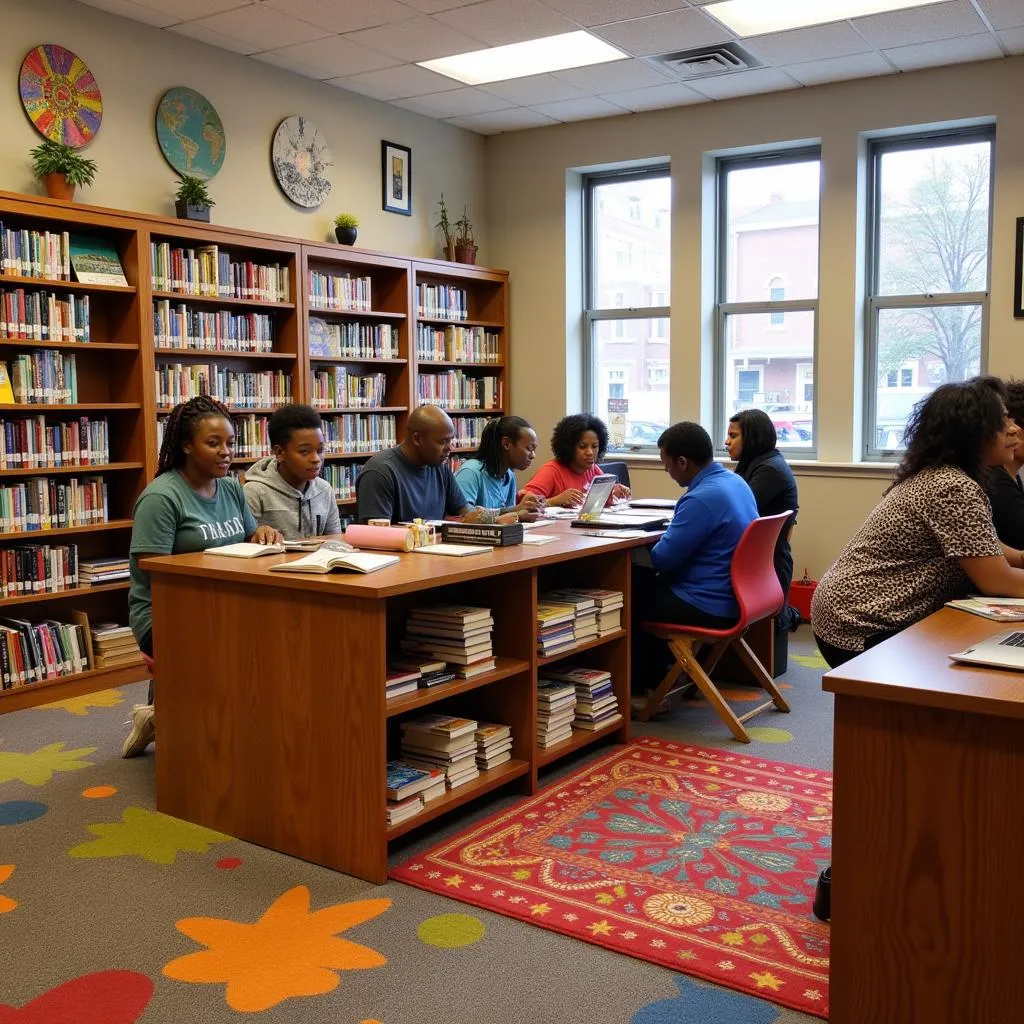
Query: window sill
(800, 467)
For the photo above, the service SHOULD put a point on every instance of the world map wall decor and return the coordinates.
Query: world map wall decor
(301, 160)
(190, 133)
(60, 95)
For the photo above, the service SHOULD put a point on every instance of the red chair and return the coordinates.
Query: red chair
(759, 596)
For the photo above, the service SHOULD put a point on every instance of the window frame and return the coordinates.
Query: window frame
(874, 303)
(724, 309)
(592, 314)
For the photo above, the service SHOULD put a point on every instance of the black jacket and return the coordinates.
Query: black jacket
(774, 487)
(1007, 498)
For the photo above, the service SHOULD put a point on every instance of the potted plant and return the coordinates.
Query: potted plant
(61, 169)
(192, 200)
(446, 229)
(465, 243)
(345, 225)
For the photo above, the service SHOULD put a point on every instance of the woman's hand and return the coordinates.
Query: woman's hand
(568, 498)
(267, 535)
(530, 508)
(508, 517)
(620, 492)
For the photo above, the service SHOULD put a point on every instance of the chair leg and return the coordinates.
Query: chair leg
(749, 659)
(683, 651)
(659, 693)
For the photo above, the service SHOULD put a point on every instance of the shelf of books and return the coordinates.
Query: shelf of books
(73, 453)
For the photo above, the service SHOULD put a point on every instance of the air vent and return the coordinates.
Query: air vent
(723, 59)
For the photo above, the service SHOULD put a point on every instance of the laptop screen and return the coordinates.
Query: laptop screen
(597, 496)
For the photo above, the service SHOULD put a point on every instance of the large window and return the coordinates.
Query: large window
(627, 304)
(767, 312)
(928, 267)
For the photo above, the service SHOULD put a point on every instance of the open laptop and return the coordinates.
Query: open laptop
(1004, 650)
(593, 514)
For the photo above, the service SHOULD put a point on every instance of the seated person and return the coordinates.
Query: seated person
(690, 582)
(285, 490)
(931, 537)
(414, 481)
(578, 444)
(507, 444)
(1003, 484)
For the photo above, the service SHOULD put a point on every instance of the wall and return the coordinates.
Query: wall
(134, 65)
(533, 188)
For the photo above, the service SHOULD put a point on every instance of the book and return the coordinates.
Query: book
(323, 562)
(997, 609)
(464, 613)
(453, 550)
(495, 534)
(403, 779)
(6, 390)
(246, 550)
(539, 538)
(448, 726)
(95, 261)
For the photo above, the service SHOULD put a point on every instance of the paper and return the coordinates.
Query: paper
(618, 534)
(538, 538)
(244, 550)
(455, 550)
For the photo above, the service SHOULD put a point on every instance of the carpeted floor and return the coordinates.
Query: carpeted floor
(98, 885)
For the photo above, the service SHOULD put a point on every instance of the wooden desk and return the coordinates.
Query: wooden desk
(928, 832)
(270, 687)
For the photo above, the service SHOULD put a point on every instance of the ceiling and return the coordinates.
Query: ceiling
(372, 46)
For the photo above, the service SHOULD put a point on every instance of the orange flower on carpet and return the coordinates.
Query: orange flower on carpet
(288, 952)
(6, 903)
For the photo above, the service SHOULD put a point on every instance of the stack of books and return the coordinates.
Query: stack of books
(102, 570)
(596, 704)
(556, 711)
(442, 742)
(459, 635)
(493, 745)
(607, 605)
(555, 628)
(431, 670)
(409, 789)
(584, 607)
(401, 680)
(114, 646)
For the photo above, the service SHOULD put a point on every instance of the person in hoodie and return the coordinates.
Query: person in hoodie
(285, 489)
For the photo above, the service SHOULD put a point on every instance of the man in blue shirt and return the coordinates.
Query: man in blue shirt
(690, 581)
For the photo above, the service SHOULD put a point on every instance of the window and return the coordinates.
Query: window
(766, 337)
(927, 274)
(627, 254)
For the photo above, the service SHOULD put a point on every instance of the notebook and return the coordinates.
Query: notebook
(1004, 650)
(999, 609)
(453, 550)
(246, 550)
(326, 560)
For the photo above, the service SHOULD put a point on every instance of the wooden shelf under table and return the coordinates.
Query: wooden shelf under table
(585, 646)
(409, 701)
(580, 738)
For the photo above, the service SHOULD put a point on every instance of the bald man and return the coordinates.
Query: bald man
(413, 480)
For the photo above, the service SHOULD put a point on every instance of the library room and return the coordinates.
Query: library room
(496, 496)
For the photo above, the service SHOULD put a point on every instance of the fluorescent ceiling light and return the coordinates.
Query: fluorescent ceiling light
(755, 17)
(533, 57)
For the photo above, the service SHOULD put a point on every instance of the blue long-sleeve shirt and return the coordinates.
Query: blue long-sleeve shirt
(695, 553)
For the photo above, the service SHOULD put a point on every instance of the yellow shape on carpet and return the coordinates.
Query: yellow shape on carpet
(289, 952)
(451, 931)
(814, 660)
(81, 705)
(769, 734)
(150, 835)
(37, 768)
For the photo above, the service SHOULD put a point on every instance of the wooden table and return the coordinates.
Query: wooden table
(928, 833)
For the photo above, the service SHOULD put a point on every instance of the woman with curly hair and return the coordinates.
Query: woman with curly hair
(578, 444)
(931, 538)
(192, 504)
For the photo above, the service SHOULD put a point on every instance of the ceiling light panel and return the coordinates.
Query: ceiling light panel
(755, 17)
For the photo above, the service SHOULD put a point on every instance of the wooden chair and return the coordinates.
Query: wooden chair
(759, 596)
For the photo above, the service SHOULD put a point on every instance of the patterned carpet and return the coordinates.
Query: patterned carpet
(110, 913)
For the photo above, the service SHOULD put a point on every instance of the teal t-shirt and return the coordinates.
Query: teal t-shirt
(170, 518)
(480, 488)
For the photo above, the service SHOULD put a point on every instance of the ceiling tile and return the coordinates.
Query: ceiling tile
(817, 43)
(194, 30)
(454, 103)
(350, 85)
(615, 75)
(126, 9)
(655, 98)
(333, 57)
(1013, 40)
(743, 83)
(497, 22)
(839, 69)
(604, 12)
(433, 6)
(298, 67)
(416, 39)
(534, 89)
(515, 119)
(920, 24)
(343, 17)
(664, 32)
(260, 27)
(186, 10)
(1003, 13)
(402, 82)
(578, 110)
(944, 51)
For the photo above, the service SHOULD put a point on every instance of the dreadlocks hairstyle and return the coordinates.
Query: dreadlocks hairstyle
(490, 451)
(181, 427)
(570, 429)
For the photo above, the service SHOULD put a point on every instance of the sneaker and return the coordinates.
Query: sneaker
(143, 731)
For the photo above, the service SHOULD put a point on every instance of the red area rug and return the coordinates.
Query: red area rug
(700, 860)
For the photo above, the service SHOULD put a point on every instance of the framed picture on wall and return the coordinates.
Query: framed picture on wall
(396, 178)
(1018, 270)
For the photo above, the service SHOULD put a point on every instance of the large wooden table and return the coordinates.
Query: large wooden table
(928, 832)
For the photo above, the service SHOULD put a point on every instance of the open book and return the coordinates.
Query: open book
(246, 550)
(1000, 609)
(326, 559)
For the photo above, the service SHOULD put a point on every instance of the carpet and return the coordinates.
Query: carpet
(700, 860)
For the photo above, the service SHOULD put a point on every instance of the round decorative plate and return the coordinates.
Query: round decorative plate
(301, 161)
(190, 133)
(60, 95)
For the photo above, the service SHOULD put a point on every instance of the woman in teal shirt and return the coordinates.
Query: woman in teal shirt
(507, 445)
(191, 505)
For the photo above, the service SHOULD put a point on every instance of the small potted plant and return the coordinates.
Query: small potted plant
(193, 200)
(61, 169)
(465, 243)
(345, 225)
(446, 229)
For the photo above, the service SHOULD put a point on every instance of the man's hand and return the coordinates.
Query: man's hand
(267, 535)
(508, 517)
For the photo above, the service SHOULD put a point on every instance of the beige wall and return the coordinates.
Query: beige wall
(134, 64)
(529, 211)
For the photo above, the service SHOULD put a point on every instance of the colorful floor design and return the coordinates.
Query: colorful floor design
(111, 913)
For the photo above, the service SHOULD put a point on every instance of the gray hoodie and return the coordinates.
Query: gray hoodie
(274, 502)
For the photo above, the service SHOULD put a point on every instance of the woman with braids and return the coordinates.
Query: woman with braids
(191, 505)
(578, 444)
(931, 538)
(507, 445)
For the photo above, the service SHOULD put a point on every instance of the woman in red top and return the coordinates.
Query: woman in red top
(578, 443)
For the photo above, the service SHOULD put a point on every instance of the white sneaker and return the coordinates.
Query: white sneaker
(143, 731)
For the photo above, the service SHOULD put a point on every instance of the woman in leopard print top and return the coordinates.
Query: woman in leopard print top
(931, 537)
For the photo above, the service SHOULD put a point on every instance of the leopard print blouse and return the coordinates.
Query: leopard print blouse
(902, 563)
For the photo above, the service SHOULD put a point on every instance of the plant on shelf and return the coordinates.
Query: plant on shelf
(61, 169)
(192, 201)
(345, 225)
(446, 229)
(465, 243)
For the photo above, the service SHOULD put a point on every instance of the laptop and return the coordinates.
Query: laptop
(1004, 650)
(592, 513)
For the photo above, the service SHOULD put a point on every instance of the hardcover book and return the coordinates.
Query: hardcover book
(95, 261)
(494, 534)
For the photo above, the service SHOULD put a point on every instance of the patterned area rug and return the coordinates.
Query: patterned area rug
(700, 860)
